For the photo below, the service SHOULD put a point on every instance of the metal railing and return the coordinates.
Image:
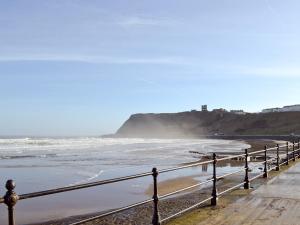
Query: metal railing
(291, 151)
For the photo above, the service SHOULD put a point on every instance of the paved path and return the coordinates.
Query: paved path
(275, 203)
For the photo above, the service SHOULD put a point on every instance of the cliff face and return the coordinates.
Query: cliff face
(193, 124)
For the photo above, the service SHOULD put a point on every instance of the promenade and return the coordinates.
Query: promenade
(276, 203)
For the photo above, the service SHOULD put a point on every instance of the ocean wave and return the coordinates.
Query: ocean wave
(27, 156)
(70, 143)
(110, 152)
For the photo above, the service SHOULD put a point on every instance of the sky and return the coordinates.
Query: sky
(82, 67)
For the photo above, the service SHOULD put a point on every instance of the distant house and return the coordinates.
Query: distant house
(219, 110)
(239, 112)
(289, 108)
(270, 110)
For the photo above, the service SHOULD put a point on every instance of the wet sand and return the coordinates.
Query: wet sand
(143, 214)
(260, 144)
(171, 185)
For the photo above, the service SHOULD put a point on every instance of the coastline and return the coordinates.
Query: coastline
(143, 214)
(56, 163)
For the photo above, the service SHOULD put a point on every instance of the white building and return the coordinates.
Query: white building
(289, 108)
(238, 112)
(219, 110)
(270, 110)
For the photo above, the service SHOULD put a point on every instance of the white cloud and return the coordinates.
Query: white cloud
(167, 60)
(139, 21)
(196, 65)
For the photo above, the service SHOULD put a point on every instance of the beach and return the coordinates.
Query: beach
(143, 214)
(142, 190)
(45, 163)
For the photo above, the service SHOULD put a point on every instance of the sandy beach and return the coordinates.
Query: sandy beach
(38, 164)
(171, 185)
(143, 214)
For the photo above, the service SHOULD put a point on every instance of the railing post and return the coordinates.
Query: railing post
(294, 156)
(298, 149)
(266, 164)
(287, 153)
(156, 216)
(277, 158)
(214, 190)
(247, 183)
(10, 199)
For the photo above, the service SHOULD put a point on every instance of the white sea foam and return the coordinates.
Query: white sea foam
(90, 177)
(94, 155)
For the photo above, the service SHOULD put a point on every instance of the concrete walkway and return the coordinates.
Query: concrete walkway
(276, 203)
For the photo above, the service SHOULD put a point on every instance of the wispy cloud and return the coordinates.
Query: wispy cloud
(167, 60)
(141, 21)
(189, 63)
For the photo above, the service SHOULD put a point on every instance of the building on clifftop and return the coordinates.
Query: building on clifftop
(289, 108)
(204, 108)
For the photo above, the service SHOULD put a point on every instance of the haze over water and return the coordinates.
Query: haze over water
(42, 163)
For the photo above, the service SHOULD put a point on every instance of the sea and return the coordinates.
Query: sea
(37, 164)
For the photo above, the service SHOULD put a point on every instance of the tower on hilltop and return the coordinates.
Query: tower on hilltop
(204, 108)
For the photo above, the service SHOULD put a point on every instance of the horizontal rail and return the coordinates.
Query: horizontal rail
(230, 157)
(111, 212)
(290, 159)
(186, 166)
(185, 189)
(272, 148)
(186, 210)
(255, 177)
(81, 186)
(272, 168)
(283, 163)
(232, 188)
(256, 152)
(229, 174)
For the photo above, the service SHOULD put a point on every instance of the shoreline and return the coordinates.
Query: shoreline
(143, 214)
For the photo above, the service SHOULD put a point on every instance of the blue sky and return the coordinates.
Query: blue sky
(82, 67)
